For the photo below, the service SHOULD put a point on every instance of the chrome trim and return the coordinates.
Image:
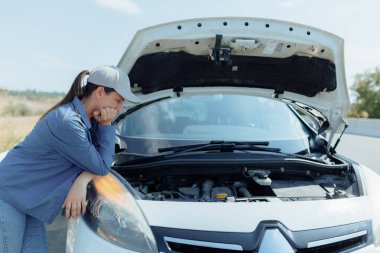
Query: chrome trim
(205, 244)
(336, 239)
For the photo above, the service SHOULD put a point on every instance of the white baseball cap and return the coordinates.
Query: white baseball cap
(112, 77)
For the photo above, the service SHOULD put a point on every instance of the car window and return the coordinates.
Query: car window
(215, 117)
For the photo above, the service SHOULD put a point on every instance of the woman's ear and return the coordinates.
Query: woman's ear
(99, 92)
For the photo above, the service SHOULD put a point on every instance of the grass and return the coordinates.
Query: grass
(19, 112)
(14, 105)
(14, 129)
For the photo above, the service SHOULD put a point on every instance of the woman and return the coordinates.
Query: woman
(70, 144)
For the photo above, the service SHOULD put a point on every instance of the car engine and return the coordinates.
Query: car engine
(250, 185)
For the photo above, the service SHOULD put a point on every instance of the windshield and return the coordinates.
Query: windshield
(201, 119)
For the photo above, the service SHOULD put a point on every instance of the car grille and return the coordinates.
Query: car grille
(345, 238)
(184, 248)
(345, 246)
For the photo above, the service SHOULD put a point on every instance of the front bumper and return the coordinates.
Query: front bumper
(80, 238)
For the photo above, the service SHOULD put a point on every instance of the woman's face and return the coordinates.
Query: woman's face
(112, 100)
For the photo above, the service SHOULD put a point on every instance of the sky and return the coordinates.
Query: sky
(44, 44)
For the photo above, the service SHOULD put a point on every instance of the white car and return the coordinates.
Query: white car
(228, 149)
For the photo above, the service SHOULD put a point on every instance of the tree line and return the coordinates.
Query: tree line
(31, 94)
(366, 87)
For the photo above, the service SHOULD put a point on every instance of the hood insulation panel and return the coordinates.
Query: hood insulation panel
(299, 74)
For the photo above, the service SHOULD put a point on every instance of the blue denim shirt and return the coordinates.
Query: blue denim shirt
(36, 175)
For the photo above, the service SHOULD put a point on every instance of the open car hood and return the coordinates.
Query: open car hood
(262, 57)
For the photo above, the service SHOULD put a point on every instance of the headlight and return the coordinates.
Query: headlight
(371, 182)
(113, 214)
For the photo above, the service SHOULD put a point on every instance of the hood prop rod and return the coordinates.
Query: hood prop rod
(333, 149)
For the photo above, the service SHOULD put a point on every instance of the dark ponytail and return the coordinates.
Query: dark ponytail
(78, 90)
(75, 90)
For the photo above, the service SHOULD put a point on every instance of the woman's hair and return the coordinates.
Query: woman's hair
(77, 89)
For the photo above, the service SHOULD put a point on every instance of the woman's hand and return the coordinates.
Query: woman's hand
(105, 115)
(75, 202)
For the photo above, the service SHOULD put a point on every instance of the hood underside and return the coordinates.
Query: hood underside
(271, 58)
(299, 74)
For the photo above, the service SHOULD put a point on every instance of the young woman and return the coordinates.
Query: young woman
(70, 144)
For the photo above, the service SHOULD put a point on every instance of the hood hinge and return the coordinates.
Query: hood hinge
(178, 91)
(323, 128)
(278, 92)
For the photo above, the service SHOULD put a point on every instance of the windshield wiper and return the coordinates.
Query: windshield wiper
(222, 146)
(230, 146)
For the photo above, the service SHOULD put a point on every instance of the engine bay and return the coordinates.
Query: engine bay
(247, 184)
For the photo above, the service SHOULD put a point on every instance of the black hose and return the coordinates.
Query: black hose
(242, 189)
